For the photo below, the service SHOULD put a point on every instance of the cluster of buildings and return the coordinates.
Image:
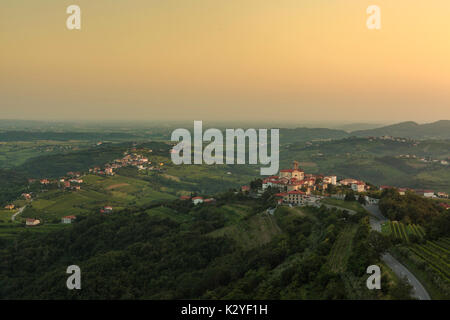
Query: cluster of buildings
(295, 179)
(420, 192)
(296, 187)
(129, 160)
(73, 181)
(423, 159)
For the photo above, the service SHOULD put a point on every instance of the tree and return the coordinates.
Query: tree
(362, 200)
(350, 196)
(378, 242)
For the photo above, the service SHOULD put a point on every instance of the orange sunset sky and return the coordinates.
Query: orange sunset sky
(283, 60)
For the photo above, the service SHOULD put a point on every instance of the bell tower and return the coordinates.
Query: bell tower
(295, 165)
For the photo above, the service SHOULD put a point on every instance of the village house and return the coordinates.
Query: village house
(45, 181)
(68, 219)
(295, 197)
(446, 206)
(358, 186)
(10, 206)
(27, 196)
(107, 209)
(245, 188)
(425, 193)
(442, 195)
(185, 198)
(346, 182)
(32, 222)
(330, 180)
(197, 200)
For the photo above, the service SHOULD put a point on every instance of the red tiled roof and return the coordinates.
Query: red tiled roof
(70, 217)
(445, 205)
(296, 192)
(196, 198)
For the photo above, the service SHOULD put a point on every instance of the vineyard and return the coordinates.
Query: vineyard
(337, 260)
(403, 232)
(432, 257)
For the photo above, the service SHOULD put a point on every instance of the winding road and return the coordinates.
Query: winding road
(400, 270)
(13, 217)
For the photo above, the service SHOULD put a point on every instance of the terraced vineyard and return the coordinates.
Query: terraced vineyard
(402, 231)
(430, 257)
(435, 254)
(338, 257)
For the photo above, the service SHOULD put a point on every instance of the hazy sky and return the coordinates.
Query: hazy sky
(295, 60)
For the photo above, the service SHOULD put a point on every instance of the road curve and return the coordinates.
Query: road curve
(13, 217)
(400, 270)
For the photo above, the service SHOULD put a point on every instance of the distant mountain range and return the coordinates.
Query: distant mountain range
(410, 129)
(435, 130)
(23, 130)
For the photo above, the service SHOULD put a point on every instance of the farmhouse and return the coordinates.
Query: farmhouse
(442, 195)
(446, 206)
(27, 196)
(68, 219)
(10, 206)
(32, 222)
(108, 209)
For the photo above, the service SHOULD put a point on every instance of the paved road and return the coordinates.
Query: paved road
(400, 270)
(13, 217)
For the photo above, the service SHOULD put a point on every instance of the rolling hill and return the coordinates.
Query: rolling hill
(436, 130)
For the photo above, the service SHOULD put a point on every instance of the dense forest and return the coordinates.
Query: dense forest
(132, 255)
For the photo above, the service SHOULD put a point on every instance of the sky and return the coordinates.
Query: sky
(257, 60)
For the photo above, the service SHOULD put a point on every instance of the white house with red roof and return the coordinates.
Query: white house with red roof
(32, 222)
(358, 186)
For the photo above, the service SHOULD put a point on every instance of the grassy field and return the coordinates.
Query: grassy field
(117, 191)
